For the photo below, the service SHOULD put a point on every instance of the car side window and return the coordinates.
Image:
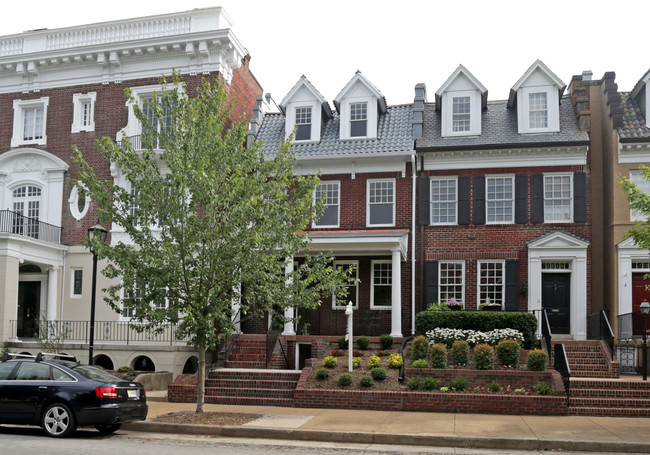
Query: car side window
(5, 370)
(28, 371)
(59, 375)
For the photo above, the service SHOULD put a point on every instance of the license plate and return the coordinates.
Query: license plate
(132, 393)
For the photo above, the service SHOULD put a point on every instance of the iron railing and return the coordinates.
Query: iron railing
(15, 223)
(147, 142)
(630, 325)
(546, 334)
(561, 365)
(105, 332)
(599, 328)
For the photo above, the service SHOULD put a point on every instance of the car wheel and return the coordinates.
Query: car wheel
(108, 429)
(58, 421)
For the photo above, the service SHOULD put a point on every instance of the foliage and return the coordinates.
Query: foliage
(210, 220)
(395, 361)
(342, 342)
(366, 381)
(386, 341)
(431, 383)
(6, 349)
(357, 353)
(483, 357)
(322, 373)
(345, 379)
(640, 202)
(508, 353)
(337, 352)
(420, 363)
(483, 321)
(460, 353)
(379, 373)
(383, 353)
(356, 362)
(363, 342)
(125, 369)
(52, 335)
(439, 356)
(438, 307)
(542, 388)
(373, 362)
(494, 387)
(473, 337)
(459, 384)
(330, 361)
(537, 360)
(419, 348)
(415, 383)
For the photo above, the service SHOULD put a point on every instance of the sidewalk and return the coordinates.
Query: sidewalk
(573, 433)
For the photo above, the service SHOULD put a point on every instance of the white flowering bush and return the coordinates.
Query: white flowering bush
(473, 337)
(445, 335)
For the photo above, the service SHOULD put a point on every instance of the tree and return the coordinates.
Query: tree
(640, 201)
(211, 221)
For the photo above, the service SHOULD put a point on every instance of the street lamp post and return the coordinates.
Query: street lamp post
(645, 308)
(95, 232)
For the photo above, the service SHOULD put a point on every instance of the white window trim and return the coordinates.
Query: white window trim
(356, 276)
(371, 125)
(478, 280)
(636, 215)
(514, 196)
(290, 120)
(523, 109)
(368, 202)
(474, 116)
(572, 197)
(431, 201)
(440, 286)
(372, 284)
(19, 118)
(338, 220)
(74, 206)
(78, 101)
(72, 294)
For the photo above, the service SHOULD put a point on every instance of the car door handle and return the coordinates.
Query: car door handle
(42, 388)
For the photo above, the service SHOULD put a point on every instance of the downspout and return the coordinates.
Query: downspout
(413, 202)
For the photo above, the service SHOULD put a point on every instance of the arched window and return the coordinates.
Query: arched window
(27, 207)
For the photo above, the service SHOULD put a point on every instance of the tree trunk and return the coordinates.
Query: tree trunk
(200, 388)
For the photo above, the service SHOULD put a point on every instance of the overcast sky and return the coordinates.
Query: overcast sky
(397, 44)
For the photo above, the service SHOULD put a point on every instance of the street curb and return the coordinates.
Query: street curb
(392, 438)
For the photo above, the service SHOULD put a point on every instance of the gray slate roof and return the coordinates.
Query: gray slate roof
(499, 128)
(634, 123)
(393, 135)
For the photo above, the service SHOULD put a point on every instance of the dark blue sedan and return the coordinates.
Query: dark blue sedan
(61, 395)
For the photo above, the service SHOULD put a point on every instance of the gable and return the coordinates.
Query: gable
(557, 240)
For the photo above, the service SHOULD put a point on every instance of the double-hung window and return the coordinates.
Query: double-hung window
(130, 296)
(451, 281)
(460, 116)
(381, 284)
(329, 193)
(358, 119)
(303, 123)
(444, 200)
(491, 282)
(636, 177)
(558, 198)
(77, 283)
(381, 202)
(30, 121)
(499, 199)
(537, 110)
(84, 112)
(352, 287)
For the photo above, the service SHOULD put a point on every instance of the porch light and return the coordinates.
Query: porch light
(96, 232)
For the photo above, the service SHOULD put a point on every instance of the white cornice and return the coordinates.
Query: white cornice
(506, 158)
(193, 42)
(634, 153)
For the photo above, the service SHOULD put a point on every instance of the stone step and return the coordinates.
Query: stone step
(609, 412)
(251, 383)
(600, 402)
(250, 401)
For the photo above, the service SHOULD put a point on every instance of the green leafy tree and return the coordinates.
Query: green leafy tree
(639, 201)
(211, 221)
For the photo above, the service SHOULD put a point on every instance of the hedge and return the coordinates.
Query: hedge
(483, 321)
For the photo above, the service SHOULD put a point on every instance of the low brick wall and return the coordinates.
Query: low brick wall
(478, 378)
(180, 392)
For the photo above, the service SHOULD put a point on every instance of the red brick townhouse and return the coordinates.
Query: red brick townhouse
(363, 151)
(502, 199)
(63, 87)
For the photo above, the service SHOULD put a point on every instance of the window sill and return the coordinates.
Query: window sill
(381, 308)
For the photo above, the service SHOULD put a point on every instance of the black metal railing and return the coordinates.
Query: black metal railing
(599, 328)
(15, 223)
(630, 325)
(105, 332)
(547, 335)
(561, 365)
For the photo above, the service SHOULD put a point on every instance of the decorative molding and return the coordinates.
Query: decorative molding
(634, 153)
(27, 164)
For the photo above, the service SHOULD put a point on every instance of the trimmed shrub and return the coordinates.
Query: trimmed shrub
(537, 360)
(373, 362)
(386, 341)
(415, 383)
(484, 357)
(338, 352)
(420, 363)
(494, 387)
(345, 379)
(419, 348)
(125, 369)
(330, 362)
(459, 384)
(366, 381)
(542, 388)
(342, 342)
(379, 373)
(439, 356)
(460, 352)
(395, 361)
(508, 353)
(356, 362)
(323, 373)
(363, 343)
(431, 383)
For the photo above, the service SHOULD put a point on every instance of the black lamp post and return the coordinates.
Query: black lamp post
(645, 309)
(95, 232)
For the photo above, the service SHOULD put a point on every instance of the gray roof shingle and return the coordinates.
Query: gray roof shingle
(634, 122)
(499, 128)
(393, 135)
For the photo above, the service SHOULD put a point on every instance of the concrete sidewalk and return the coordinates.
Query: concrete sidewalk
(572, 433)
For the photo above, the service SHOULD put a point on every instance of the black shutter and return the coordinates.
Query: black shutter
(512, 285)
(424, 207)
(579, 197)
(431, 274)
(521, 196)
(537, 198)
(479, 200)
(463, 200)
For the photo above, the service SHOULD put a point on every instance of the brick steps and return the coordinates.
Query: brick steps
(589, 359)
(252, 401)
(600, 402)
(608, 412)
(249, 383)
(251, 387)
(609, 397)
(249, 392)
(612, 393)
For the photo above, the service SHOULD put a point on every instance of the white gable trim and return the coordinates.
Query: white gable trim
(360, 78)
(539, 65)
(461, 70)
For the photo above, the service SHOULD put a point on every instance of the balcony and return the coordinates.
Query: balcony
(15, 223)
(145, 142)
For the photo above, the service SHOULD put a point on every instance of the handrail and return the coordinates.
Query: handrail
(606, 332)
(400, 378)
(16, 223)
(547, 335)
(561, 365)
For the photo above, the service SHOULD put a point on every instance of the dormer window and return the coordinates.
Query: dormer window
(537, 110)
(358, 119)
(461, 114)
(360, 107)
(460, 101)
(303, 123)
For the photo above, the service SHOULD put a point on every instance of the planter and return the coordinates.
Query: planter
(455, 307)
(491, 308)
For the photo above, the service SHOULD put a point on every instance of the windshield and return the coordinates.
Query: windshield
(95, 373)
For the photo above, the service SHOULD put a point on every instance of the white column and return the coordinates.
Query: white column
(289, 326)
(579, 299)
(396, 296)
(52, 285)
(235, 305)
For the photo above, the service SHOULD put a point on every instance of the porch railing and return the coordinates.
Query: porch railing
(561, 365)
(15, 223)
(630, 325)
(105, 332)
(599, 328)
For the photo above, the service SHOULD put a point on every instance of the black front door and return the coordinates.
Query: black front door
(556, 300)
(29, 306)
